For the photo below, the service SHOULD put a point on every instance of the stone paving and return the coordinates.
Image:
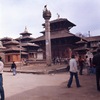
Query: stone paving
(48, 87)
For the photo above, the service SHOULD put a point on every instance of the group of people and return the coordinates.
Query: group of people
(56, 60)
(74, 69)
(86, 63)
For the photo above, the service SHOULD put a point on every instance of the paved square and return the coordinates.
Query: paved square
(48, 87)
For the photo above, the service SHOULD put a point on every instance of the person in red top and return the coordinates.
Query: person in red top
(81, 65)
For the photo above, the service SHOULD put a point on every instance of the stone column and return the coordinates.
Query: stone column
(47, 16)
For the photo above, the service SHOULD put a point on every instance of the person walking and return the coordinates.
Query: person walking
(73, 72)
(81, 65)
(13, 68)
(96, 63)
(1, 80)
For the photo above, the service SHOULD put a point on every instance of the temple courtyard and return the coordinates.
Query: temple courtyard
(26, 86)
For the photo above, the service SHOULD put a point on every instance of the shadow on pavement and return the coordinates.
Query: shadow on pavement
(86, 92)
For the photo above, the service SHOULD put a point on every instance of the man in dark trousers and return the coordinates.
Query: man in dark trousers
(13, 67)
(1, 80)
(73, 72)
(96, 63)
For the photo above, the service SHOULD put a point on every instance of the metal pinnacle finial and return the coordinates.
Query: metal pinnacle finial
(58, 15)
(25, 29)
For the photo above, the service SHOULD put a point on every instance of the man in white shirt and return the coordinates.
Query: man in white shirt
(1, 80)
(73, 72)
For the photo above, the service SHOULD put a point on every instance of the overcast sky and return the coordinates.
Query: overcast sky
(16, 14)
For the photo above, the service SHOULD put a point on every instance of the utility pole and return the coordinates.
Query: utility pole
(47, 16)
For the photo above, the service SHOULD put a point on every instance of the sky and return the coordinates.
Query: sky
(16, 14)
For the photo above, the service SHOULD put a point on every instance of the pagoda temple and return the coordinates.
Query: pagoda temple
(62, 40)
(11, 50)
(31, 48)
